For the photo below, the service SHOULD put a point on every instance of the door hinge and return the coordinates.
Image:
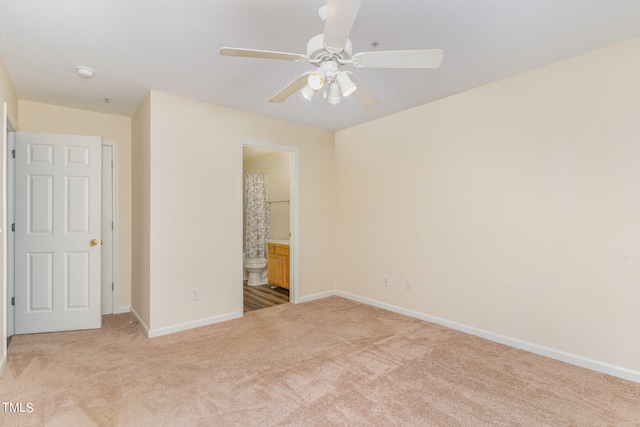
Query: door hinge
(13, 300)
(111, 164)
(13, 153)
(112, 287)
(113, 227)
(13, 227)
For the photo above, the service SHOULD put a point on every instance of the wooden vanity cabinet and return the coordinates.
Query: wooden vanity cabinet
(278, 264)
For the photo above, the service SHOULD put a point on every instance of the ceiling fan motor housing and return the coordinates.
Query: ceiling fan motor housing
(316, 50)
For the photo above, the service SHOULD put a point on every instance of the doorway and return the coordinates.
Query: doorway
(279, 284)
(107, 167)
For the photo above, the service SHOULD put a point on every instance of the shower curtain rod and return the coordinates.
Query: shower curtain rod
(279, 201)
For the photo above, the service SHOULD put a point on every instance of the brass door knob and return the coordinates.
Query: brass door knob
(93, 242)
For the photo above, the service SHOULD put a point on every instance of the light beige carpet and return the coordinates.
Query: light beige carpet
(322, 363)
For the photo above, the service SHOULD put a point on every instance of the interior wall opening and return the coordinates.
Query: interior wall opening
(269, 219)
(108, 238)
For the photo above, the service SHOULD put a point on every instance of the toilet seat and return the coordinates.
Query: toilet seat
(257, 262)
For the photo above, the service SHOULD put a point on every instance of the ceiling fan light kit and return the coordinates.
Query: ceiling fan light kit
(346, 85)
(333, 49)
(308, 92)
(316, 79)
(335, 95)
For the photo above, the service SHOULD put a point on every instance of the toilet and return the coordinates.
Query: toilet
(257, 269)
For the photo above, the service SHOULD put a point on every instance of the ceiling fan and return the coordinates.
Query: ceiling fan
(331, 50)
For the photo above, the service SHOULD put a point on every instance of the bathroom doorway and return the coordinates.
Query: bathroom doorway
(269, 258)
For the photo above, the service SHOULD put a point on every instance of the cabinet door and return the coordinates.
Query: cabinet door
(274, 269)
(285, 272)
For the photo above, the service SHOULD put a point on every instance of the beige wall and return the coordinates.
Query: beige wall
(512, 208)
(141, 195)
(37, 117)
(277, 166)
(8, 95)
(195, 206)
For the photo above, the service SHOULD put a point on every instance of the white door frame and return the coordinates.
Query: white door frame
(295, 216)
(114, 204)
(8, 128)
(9, 254)
(8, 239)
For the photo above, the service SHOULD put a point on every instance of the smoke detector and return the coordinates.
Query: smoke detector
(85, 72)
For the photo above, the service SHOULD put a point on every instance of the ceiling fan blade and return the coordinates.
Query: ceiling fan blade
(291, 88)
(264, 54)
(341, 14)
(362, 93)
(427, 58)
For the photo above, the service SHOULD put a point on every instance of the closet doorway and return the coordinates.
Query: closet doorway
(106, 166)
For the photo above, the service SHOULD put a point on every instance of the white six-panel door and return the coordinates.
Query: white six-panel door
(57, 232)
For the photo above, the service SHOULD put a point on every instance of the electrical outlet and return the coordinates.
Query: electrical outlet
(195, 293)
(407, 285)
(387, 281)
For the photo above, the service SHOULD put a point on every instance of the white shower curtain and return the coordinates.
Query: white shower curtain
(258, 227)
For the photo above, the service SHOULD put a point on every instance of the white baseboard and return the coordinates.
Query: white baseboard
(3, 364)
(317, 296)
(158, 332)
(562, 356)
(125, 309)
(141, 323)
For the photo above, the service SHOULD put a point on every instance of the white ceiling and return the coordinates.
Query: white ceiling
(172, 46)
